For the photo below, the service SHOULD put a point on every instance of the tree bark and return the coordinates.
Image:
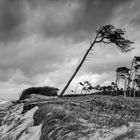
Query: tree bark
(131, 77)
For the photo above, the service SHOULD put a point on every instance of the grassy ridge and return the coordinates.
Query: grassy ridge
(80, 118)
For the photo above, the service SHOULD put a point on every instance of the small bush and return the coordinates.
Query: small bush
(46, 91)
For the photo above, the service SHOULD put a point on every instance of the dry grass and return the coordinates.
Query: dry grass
(63, 121)
(126, 136)
(49, 112)
(57, 121)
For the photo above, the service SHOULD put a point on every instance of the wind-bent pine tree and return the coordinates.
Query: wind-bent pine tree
(106, 34)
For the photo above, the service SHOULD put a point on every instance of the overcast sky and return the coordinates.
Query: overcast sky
(42, 41)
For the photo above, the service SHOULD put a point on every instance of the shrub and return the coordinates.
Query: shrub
(46, 91)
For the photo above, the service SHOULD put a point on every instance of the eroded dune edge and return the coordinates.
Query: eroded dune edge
(73, 118)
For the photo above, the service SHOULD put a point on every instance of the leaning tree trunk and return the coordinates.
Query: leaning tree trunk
(133, 85)
(78, 67)
(125, 87)
(117, 83)
(130, 92)
(117, 79)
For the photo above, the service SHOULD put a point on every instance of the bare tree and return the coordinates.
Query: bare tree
(134, 71)
(123, 73)
(137, 82)
(105, 34)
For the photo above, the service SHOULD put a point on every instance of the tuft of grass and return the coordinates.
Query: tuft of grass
(52, 111)
(115, 122)
(57, 121)
(125, 136)
(71, 118)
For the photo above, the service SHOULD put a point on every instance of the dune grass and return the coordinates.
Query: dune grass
(57, 121)
(74, 118)
(126, 136)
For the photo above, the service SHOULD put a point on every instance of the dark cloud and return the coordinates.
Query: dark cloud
(135, 14)
(32, 58)
(11, 17)
(129, 14)
(73, 18)
(86, 17)
(94, 13)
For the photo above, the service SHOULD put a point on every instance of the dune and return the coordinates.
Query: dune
(79, 118)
